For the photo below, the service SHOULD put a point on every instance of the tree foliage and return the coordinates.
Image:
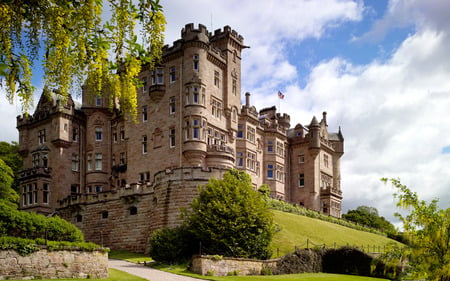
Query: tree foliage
(77, 39)
(230, 218)
(9, 153)
(368, 216)
(7, 194)
(428, 229)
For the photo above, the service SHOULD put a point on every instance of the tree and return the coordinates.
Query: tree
(79, 42)
(230, 218)
(9, 153)
(368, 216)
(428, 230)
(7, 194)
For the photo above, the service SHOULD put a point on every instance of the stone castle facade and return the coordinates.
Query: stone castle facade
(118, 180)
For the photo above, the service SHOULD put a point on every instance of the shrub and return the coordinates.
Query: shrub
(302, 260)
(347, 260)
(171, 245)
(31, 226)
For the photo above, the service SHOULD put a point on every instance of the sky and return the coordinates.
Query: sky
(379, 68)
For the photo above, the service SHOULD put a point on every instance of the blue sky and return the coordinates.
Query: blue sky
(379, 68)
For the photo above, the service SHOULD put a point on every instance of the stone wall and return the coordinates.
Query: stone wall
(218, 266)
(123, 219)
(53, 264)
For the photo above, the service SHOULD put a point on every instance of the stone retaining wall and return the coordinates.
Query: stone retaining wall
(218, 266)
(53, 264)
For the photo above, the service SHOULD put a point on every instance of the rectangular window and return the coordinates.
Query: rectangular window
(144, 114)
(99, 188)
(89, 162)
(269, 171)
(75, 134)
(144, 84)
(75, 161)
(98, 101)
(216, 78)
(301, 180)
(144, 144)
(240, 159)
(234, 87)
(122, 158)
(196, 129)
(195, 96)
(172, 74)
(195, 62)
(172, 105)
(98, 161)
(172, 137)
(269, 146)
(30, 195)
(280, 173)
(325, 160)
(250, 134)
(122, 134)
(240, 132)
(157, 76)
(301, 158)
(251, 161)
(141, 177)
(45, 193)
(280, 148)
(35, 160)
(41, 136)
(35, 197)
(115, 135)
(216, 108)
(98, 134)
(45, 160)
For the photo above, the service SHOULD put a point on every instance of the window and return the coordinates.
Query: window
(115, 135)
(240, 159)
(35, 200)
(144, 84)
(251, 161)
(144, 144)
(122, 158)
(30, 195)
(41, 136)
(98, 161)
(75, 161)
(122, 134)
(240, 132)
(98, 188)
(35, 160)
(280, 148)
(98, 101)
(46, 193)
(172, 137)
(78, 218)
(141, 177)
(269, 171)
(144, 114)
(216, 108)
(216, 78)
(280, 173)
(325, 160)
(89, 162)
(172, 105)
(301, 180)
(195, 62)
(75, 134)
(157, 76)
(195, 96)
(196, 129)
(147, 176)
(104, 214)
(45, 160)
(301, 158)
(74, 188)
(269, 146)
(133, 210)
(172, 74)
(234, 87)
(250, 134)
(98, 134)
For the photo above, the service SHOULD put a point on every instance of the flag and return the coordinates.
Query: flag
(280, 95)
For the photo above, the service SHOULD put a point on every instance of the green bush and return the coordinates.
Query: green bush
(171, 245)
(31, 226)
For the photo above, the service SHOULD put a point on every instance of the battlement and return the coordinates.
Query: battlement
(183, 174)
(227, 31)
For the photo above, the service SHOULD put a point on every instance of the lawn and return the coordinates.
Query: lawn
(114, 275)
(300, 231)
(128, 256)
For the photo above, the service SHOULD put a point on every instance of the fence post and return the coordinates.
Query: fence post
(307, 243)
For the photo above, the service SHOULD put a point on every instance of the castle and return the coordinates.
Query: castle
(119, 180)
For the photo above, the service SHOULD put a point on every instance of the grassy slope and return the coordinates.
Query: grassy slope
(296, 230)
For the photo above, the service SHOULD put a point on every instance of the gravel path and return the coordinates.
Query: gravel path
(147, 272)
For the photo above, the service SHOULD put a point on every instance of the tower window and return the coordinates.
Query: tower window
(46, 193)
(301, 180)
(269, 171)
(172, 105)
(98, 134)
(216, 78)
(172, 74)
(172, 137)
(133, 210)
(195, 62)
(144, 114)
(144, 144)
(98, 161)
(105, 214)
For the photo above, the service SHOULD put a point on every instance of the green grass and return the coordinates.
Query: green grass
(296, 230)
(114, 275)
(128, 256)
